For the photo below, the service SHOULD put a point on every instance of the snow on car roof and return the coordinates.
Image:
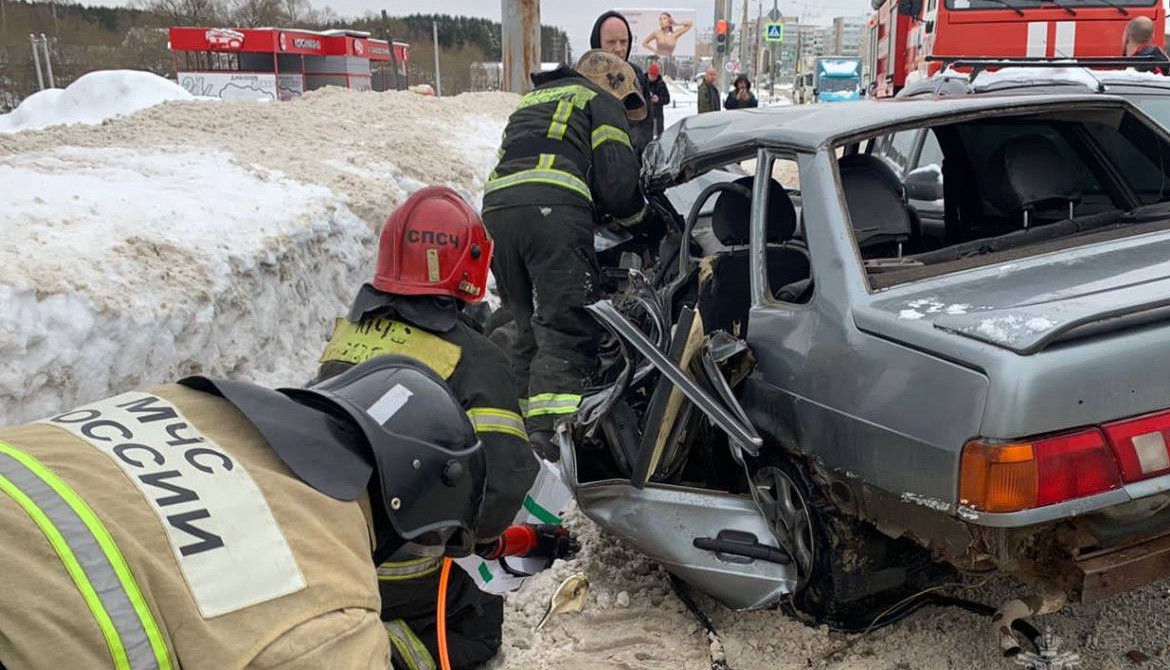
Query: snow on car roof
(1031, 75)
(722, 135)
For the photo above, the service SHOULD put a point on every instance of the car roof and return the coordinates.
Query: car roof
(1033, 79)
(690, 146)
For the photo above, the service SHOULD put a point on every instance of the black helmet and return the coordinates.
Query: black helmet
(414, 449)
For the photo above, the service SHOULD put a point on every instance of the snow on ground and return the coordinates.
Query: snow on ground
(93, 98)
(216, 237)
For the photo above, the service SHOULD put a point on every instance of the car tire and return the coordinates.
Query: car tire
(854, 574)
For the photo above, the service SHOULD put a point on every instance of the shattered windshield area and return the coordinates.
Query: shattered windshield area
(929, 201)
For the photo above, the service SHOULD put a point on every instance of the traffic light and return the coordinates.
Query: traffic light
(721, 36)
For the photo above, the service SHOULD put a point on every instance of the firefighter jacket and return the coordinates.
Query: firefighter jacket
(567, 143)
(433, 331)
(158, 530)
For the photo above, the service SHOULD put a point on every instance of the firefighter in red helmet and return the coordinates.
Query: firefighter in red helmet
(433, 260)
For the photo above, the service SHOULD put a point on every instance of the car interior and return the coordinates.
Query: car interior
(1006, 188)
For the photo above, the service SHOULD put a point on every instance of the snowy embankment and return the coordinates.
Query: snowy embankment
(93, 98)
(220, 237)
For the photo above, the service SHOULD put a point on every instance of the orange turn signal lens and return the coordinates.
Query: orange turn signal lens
(998, 477)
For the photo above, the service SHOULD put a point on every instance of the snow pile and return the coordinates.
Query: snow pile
(92, 99)
(218, 238)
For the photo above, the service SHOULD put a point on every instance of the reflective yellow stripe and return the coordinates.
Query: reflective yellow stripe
(400, 571)
(552, 403)
(358, 342)
(575, 94)
(540, 176)
(92, 559)
(602, 134)
(631, 220)
(491, 420)
(545, 161)
(560, 120)
(411, 650)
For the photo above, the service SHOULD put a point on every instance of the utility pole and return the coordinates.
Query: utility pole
(438, 75)
(48, 61)
(520, 45)
(744, 46)
(32, 39)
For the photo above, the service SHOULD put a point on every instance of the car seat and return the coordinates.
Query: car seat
(725, 284)
(882, 220)
(1028, 174)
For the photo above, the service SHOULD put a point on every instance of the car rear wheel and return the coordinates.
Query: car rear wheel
(849, 574)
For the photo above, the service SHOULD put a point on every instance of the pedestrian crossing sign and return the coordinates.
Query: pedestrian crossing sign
(775, 32)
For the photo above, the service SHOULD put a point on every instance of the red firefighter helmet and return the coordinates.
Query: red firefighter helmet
(434, 244)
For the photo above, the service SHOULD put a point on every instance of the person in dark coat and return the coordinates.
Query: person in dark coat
(741, 97)
(709, 92)
(659, 97)
(611, 32)
(1136, 43)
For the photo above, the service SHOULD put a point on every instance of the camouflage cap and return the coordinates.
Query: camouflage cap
(616, 76)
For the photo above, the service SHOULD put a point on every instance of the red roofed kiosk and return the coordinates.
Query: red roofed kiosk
(279, 64)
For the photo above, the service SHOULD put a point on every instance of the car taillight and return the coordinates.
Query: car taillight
(1140, 445)
(1014, 476)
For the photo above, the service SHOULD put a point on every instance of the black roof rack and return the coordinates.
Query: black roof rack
(980, 63)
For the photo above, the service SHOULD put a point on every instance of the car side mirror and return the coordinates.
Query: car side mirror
(911, 8)
(925, 183)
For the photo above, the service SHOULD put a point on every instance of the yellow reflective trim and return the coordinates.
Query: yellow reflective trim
(545, 161)
(410, 649)
(358, 342)
(401, 571)
(491, 420)
(540, 176)
(100, 536)
(560, 120)
(605, 133)
(575, 94)
(631, 220)
(552, 403)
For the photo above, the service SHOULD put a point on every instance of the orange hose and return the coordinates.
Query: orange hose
(441, 615)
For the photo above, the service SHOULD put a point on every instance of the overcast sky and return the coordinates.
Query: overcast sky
(576, 16)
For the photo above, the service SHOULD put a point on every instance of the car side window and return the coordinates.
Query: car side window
(931, 153)
(898, 149)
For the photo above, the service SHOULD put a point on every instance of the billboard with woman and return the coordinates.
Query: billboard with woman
(662, 32)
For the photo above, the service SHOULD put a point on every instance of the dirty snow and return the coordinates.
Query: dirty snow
(936, 505)
(922, 307)
(1010, 328)
(208, 237)
(93, 98)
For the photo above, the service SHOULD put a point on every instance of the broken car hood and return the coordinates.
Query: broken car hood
(1025, 306)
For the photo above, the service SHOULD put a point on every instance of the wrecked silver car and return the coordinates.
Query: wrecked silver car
(807, 400)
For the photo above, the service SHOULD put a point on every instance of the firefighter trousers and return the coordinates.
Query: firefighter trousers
(547, 272)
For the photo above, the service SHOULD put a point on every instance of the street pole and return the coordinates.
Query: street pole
(48, 61)
(744, 54)
(32, 39)
(520, 45)
(438, 75)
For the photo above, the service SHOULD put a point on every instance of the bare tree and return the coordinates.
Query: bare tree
(257, 13)
(188, 12)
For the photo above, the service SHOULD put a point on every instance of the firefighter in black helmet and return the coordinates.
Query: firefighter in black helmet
(218, 524)
(567, 164)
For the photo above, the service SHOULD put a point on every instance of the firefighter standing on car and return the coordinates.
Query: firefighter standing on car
(565, 163)
(217, 524)
(433, 260)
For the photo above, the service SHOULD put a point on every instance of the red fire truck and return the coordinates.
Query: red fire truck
(905, 34)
